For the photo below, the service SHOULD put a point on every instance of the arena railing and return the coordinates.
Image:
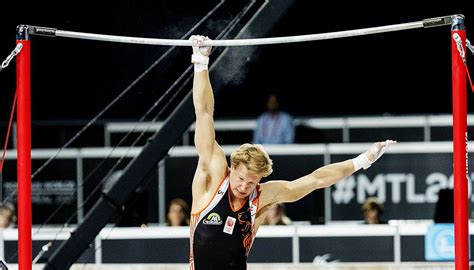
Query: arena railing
(295, 242)
(343, 124)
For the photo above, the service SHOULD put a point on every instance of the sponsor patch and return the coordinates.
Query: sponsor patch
(229, 225)
(212, 219)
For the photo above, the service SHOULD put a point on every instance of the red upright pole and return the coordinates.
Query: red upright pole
(24, 151)
(461, 229)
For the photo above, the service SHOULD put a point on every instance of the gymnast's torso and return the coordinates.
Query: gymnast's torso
(221, 236)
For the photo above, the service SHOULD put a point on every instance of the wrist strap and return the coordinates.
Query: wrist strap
(361, 161)
(200, 62)
(197, 58)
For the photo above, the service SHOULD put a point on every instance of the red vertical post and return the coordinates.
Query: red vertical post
(461, 226)
(24, 151)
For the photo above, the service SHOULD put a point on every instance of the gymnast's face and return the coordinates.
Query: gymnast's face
(242, 181)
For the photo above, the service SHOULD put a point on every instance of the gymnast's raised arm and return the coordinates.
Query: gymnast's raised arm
(212, 164)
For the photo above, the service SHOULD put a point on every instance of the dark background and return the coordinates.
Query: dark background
(404, 72)
(397, 73)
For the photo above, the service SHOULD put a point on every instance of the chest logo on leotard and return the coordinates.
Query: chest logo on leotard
(213, 219)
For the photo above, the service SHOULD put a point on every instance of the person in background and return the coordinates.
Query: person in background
(7, 215)
(178, 213)
(274, 126)
(277, 215)
(372, 209)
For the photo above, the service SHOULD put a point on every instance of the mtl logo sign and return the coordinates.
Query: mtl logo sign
(393, 187)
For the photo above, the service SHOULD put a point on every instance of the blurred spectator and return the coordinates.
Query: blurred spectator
(274, 126)
(178, 213)
(373, 210)
(7, 215)
(277, 215)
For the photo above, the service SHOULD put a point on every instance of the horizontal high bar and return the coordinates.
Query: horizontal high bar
(426, 23)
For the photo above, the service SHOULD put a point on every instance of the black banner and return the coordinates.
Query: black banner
(407, 184)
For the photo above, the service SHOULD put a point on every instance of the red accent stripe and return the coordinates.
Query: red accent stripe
(8, 133)
(469, 77)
